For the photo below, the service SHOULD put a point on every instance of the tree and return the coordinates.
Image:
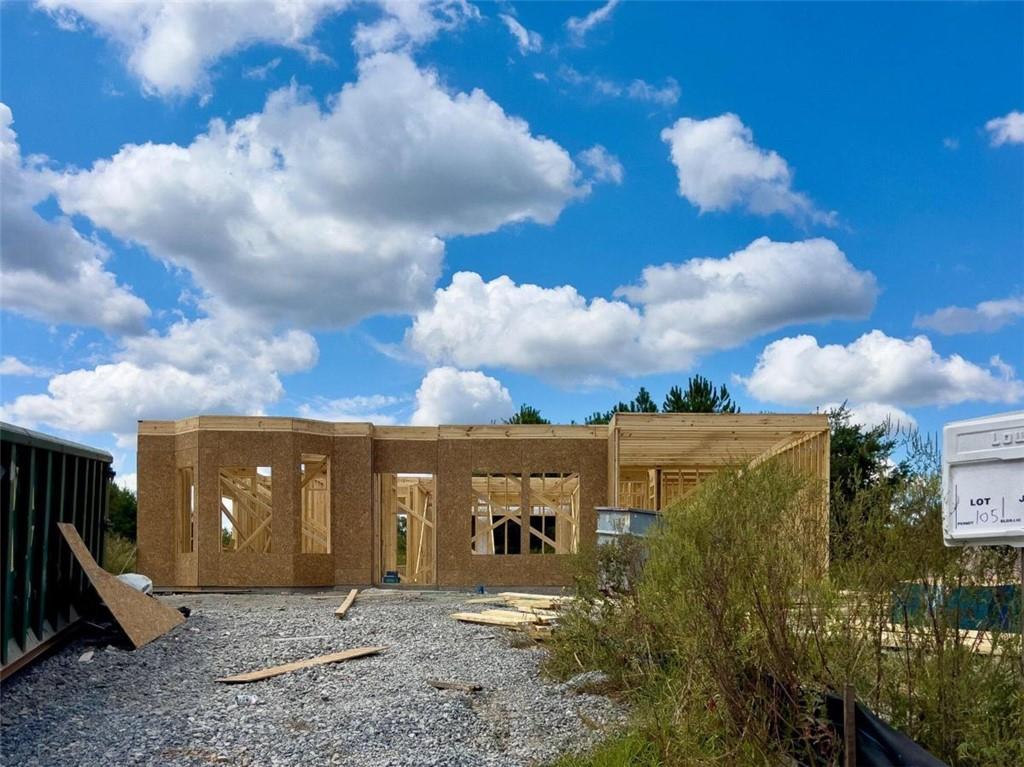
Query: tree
(860, 457)
(122, 511)
(861, 470)
(701, 396)
(527, 414)
(643, 402)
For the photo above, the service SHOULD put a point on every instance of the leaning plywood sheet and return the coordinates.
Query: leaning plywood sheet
(143, 618)
(320, 660)
(343, 608)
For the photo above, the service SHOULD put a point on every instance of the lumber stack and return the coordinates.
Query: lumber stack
(533, 614)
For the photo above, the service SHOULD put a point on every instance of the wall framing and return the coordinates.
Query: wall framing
(666, 454)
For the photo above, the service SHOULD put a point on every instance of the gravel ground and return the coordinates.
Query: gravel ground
(160, 705)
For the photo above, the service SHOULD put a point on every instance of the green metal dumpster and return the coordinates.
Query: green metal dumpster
(45, 480)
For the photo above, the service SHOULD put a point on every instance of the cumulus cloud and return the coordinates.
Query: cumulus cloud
(579, 26)
(170, 46)
(1008, 129)
(450, 396)
(873, 414)
(720, 168)
(323, 217)
(12, 366)
(51, 272)
(875, 368)
(527, 40)
(985, 317)
(675, 312)
(374, 408)
(408, 23)
(604, 166)
(209, 365)
(636, 90)
(128, 481)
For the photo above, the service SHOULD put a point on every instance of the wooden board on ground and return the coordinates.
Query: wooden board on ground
(142, 618)
(460, 686)
(320, 660)
(343, 608)
(507, 618)
(516, 595)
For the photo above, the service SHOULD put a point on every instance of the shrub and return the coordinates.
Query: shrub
(730, 637)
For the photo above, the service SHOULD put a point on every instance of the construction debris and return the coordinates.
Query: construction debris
(533, 614)
(343, 608)
(460, 686)
(143, 618)
(320, 660)
(506, 618)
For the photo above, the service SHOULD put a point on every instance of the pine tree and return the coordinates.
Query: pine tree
(527, 414)
(700, 396)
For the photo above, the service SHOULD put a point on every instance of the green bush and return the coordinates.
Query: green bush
(727, 642)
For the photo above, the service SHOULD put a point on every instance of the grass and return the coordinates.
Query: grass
(118, 554)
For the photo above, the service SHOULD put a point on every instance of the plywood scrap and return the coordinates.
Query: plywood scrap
(320, 660)
(142, 618)
(343, 608)
(460, 686)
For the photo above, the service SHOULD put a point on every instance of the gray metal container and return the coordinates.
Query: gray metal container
(613, 523)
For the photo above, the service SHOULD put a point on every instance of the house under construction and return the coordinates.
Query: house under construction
(252, 501)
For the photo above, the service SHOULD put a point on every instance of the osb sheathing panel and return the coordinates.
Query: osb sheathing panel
(239, 448)
(143, 618)
(458, 460)
(404, 456)
(155, 522)
(351, 514)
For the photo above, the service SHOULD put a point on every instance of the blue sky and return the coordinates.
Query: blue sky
(437, 211)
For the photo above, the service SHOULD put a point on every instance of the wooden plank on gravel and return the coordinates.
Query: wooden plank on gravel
(343, 608)
(460, 686)
(525, 597)
(488, 618)
(320, 660)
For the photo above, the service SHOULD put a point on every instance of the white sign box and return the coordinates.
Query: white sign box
(983, 481)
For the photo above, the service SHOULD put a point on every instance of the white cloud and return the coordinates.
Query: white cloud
(720, 167)
(262, 72)
(12, 366)
(51, 272)
(636, 90)
(604, 166)
(372, 408)
(408, 23)
(127, 481)
(952, 143)
(874, 368)
(985, 317)
(1008, 129)
(675, 313)
(450, 396)
(323, 217)
(208, 365)
(170, 46)
(872, 414)
(527, 40)
(579, 26)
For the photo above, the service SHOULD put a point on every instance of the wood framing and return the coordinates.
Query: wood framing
(259, 501)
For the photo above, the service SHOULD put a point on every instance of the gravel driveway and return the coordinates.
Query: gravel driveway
(160, 705)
